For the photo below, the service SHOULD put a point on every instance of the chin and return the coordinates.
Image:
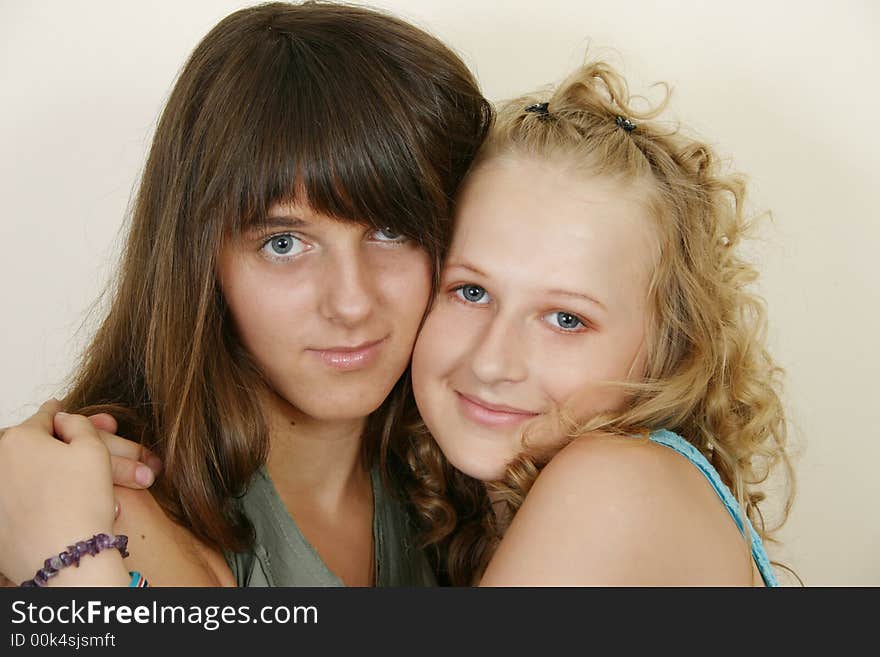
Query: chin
(484, 467)
(337, 410)
(339, 405)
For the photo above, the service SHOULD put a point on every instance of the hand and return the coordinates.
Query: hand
(134, 466)
(52, 492)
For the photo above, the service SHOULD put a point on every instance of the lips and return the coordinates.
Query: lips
(345, 358)
(489, 414)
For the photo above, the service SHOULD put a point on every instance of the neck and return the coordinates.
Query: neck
(314, 459)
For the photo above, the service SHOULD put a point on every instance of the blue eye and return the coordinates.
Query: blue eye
(280, 247)
(472, 294)
(389, 235)
(565, 321)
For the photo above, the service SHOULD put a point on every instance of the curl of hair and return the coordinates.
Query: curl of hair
(710, 377)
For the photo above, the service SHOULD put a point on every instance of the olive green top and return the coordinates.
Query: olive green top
(281, 555)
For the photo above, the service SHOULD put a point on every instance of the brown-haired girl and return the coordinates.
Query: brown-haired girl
(282, 251)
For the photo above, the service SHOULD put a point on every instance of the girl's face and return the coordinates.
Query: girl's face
(543, 297)
(328, 310)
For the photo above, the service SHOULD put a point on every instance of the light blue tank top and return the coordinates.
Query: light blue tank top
(692, 454)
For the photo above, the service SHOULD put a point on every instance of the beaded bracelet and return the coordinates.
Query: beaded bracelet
(73, 553)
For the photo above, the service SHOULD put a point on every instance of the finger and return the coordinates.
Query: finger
(130, 473)
(74, 428)
(115, 508)
(128, 449)
(42, 419)
(104, 422)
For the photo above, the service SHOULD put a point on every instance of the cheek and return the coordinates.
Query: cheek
(584, 388)
(405, 284)
(427, 354)
(560, 380)
(255, 324)
(235, 280)
(266, 310)
(440, 347)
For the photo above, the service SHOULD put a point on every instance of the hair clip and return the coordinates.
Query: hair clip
(625, 123)
(539, 109)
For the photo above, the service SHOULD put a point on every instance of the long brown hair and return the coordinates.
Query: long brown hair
(709, 378)
(360, 115)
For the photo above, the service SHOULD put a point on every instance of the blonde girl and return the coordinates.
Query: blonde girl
(594, 365)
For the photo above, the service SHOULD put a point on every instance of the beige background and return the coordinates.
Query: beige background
(788, 91)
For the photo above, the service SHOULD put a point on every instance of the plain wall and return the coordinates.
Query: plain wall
(787, 91)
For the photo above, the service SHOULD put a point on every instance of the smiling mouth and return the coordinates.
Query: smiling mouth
(491, 415)
(346, 359)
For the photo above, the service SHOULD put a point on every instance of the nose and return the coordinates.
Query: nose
(499, 353)
(348, 296)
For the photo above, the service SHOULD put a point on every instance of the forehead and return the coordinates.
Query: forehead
(549, 214)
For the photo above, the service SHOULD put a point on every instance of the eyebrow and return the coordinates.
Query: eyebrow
(461, 265)
(278, 221)
(577, 295)
(555, 291)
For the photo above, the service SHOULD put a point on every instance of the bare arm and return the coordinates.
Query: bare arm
(55, 492)
(163, 551)
(620, 512)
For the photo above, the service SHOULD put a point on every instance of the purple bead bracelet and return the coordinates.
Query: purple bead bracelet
(73, 553)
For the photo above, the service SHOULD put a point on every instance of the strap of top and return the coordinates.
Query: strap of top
(683, 447)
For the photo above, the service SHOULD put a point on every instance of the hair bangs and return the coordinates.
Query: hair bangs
(317, 130)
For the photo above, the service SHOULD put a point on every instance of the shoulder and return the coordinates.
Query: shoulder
(625, 511)
(616, 458)
(166, 553)
(601, 474)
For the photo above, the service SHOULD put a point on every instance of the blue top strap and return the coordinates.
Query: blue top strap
(691, 453)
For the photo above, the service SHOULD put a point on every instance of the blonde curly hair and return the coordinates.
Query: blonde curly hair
(709, 375)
